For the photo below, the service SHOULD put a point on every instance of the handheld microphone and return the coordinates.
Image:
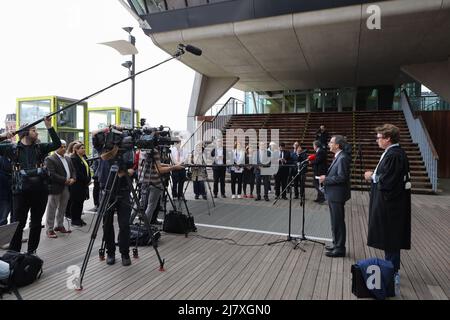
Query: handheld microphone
(311, 157)
(194, 50)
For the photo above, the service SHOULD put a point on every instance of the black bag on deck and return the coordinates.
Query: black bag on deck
(25, 268)
(177, 222)
(144, 238)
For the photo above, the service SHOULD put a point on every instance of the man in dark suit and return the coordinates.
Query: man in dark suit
(323, 136)
(337, 191)
(319, 165)
(62, 175)
(281, 178)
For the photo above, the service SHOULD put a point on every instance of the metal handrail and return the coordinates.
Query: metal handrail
(420, 135)
(218, 122)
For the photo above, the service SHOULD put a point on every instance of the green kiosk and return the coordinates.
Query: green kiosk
(75, 123)
(71, 124)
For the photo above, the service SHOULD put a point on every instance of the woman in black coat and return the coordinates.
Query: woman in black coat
(79, 191)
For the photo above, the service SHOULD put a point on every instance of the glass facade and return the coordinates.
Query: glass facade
(30, 111)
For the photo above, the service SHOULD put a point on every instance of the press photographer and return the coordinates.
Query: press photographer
(109, 143)
(150, 178)
(30, 181)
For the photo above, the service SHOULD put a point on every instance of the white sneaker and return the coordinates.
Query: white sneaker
(239, 196)
(397, 284)
(233, 197)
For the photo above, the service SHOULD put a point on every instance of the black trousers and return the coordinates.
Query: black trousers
(236, 178)
(219, 177)
(178, 179)
(96, 192)
(76, 210)
(265, 180)
(123, 210)
(248, 177)
(281, 180)
(35, 202)
(338, 230)
(320, 195)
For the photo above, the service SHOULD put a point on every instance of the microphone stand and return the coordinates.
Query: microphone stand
(289, 236)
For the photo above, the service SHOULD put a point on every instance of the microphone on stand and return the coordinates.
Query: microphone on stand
(311, 157)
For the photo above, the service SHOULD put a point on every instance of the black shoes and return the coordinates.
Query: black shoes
(110, 259)
(215, 196)
(126, 261)
(78, 223)
(224, 196)
(266, 198)
(258, 198)
(329, 247)
(335, 254)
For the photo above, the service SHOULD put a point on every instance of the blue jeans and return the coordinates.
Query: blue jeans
(5, 209)
(394, 257)
(4, 270)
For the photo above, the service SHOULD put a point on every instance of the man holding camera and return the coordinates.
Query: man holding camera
(121, 196)
(151, 180)
(30, 181)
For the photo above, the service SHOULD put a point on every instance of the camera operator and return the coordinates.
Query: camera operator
(30, 181)
(151, 180)
(122, 203)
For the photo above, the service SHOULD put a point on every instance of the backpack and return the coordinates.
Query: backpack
(25, 268)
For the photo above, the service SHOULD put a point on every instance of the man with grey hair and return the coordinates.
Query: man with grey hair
(62, 175)
(337, 191)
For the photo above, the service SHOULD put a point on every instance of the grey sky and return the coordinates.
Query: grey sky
(49, 47)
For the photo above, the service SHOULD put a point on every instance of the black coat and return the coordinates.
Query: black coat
(79, 191)
(283, 162)
(320, 163)
(390, 204)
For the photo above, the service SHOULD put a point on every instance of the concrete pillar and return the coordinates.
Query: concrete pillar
(206, 92)
(433, 75)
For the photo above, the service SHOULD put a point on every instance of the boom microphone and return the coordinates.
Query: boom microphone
(194, 50)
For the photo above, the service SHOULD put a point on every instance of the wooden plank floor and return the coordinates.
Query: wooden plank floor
(200, 268)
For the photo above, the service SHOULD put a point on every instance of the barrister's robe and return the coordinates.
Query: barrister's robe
(390, 204)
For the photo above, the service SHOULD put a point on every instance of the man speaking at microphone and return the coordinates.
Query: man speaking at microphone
(337, 191)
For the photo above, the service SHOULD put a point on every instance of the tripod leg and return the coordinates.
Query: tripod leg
(106, 199)
(153, 237)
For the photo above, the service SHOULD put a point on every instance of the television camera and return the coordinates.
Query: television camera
(127, 140)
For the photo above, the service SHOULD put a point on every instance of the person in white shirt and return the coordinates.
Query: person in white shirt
(62, 175)
(236, 171)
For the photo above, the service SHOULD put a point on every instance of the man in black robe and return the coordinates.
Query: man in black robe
(390, 198)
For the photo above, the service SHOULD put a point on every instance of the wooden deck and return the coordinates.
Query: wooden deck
(200, 268)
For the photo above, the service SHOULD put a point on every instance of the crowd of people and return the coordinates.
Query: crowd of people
(31, 181)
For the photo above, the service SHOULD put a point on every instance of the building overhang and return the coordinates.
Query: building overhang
(327, 48)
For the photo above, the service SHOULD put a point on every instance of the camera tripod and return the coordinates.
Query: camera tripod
(301, 173)
(107, 203)
(204, 166)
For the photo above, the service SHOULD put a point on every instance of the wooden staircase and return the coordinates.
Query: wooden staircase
(358, 127)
